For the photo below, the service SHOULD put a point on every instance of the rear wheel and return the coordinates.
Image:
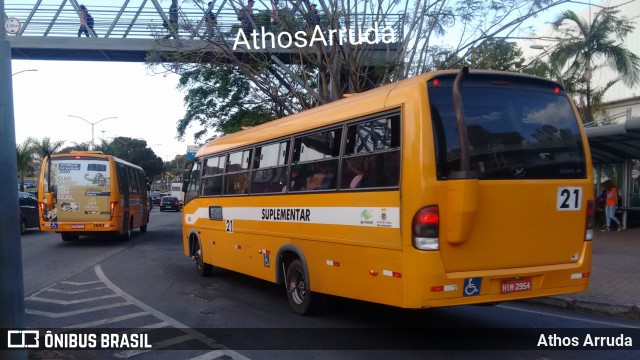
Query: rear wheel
(143, 229)
(127, 235)
(23, 227)
(201, 268)
(301, 299)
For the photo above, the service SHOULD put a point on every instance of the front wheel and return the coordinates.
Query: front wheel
(23, 227)
(301, 299)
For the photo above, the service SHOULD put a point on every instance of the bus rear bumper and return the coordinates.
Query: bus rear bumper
(78, 227)
(491, 286)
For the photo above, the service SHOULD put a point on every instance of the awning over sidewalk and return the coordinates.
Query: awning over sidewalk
(614, 143)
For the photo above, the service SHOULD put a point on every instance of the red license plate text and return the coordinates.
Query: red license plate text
(515, 285)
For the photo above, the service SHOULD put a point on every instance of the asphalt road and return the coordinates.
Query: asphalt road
(148, 284)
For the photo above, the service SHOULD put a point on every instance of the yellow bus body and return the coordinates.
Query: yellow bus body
(81, 202)
(494, 232)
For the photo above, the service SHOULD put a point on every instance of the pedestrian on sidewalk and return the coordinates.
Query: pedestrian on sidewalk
(611, 205)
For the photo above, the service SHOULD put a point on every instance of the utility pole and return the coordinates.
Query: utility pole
(11, 286)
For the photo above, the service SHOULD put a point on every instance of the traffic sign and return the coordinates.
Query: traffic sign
(12, 26)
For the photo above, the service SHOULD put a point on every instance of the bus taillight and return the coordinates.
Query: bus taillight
(111, 208)
(425, 228)
(590, 222)
(41, 206)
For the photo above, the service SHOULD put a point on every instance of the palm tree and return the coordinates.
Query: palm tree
(24, 153)
(597, 43)
(46, 147)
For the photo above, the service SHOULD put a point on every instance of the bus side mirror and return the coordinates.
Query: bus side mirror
(185, 185)
(49, 199)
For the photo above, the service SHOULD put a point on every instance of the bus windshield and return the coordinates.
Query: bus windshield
(518, 129)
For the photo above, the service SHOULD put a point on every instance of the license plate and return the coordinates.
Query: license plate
(515, 285)
(77, 226)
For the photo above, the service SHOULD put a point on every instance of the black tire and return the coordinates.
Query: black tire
(127, 235)
(23, 227)
(161, 210)
(302, 300)
(69, 237)
(201, 268)
(143, 229)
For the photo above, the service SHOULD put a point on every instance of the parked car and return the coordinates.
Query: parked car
(170, 203)
(28, 211)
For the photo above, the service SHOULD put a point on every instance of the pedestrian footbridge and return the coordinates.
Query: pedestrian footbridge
(130, 30)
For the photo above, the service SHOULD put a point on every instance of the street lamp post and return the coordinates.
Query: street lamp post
(92, 125)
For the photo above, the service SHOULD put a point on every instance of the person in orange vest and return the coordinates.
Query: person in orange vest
(611, 205)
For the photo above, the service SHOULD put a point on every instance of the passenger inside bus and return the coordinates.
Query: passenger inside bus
(322, 178)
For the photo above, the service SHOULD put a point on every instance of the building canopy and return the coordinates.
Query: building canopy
(615, 143)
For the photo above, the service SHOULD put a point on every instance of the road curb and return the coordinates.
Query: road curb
(627, 311)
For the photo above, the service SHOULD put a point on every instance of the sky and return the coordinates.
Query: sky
(146, 106)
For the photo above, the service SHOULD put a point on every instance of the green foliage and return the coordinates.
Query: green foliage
(222, 99)
(134, 151)
(586, 47)
(84, 146)
(25, 160)
(496, 54)
(45, 147)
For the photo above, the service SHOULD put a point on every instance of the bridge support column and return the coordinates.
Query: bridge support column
(11, 286)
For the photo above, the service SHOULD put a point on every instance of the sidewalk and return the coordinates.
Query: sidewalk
(614, 288)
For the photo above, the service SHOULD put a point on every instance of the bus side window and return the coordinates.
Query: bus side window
(269, 170)
(121, 179)
(317, 154)
(372, 154)
(194, 182)
(236, 179)
(211, 176)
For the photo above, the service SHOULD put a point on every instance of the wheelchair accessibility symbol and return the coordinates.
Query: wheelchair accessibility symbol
(54, 225)
(472, 286)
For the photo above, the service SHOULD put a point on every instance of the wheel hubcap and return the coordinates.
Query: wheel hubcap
(297, 288)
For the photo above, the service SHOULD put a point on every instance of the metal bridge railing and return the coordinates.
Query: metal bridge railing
(59, 18)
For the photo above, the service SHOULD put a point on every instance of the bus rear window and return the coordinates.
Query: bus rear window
(517, 130)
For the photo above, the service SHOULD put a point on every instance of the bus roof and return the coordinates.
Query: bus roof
(94, 154)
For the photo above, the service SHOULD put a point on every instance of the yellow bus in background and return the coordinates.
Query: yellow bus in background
(88, 192)
(450, 188)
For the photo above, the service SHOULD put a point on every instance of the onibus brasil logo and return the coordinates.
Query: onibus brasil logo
(300, 39)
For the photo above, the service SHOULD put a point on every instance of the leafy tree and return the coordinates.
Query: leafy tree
(496, 54)
(279, 83)
(223, 99)
(83, 146)
(134, 151)
(585, 47)
(24, 153)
